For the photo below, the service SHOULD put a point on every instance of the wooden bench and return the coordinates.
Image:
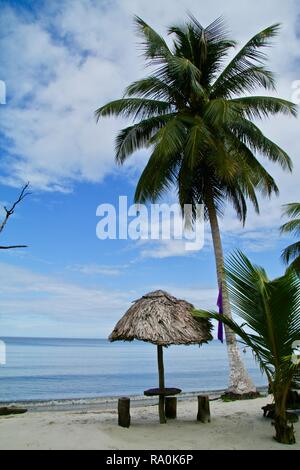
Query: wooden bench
(164, 411)
(167, 406)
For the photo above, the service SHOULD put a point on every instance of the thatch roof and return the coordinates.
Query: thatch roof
(160, 318)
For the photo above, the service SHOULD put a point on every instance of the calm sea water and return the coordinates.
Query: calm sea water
(46, 369)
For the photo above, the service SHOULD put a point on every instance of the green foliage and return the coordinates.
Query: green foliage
(270, 310)
(291, 254)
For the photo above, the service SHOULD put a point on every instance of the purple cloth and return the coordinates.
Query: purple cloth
(220, 324)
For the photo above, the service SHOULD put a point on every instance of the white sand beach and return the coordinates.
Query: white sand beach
(234, 425)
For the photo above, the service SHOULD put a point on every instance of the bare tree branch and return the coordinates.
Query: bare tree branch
(12, 246)
(8, 212)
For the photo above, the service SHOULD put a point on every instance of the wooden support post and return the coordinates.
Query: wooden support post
(171, 407)
(161, 409)
(124, 412)
(161, 374)
(203, 409)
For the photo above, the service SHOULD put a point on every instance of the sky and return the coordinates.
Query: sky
(61, 60)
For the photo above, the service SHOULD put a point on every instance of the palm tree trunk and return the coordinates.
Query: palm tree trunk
(284, 432)
(239, 381)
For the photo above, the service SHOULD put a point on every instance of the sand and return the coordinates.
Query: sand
(234, 425)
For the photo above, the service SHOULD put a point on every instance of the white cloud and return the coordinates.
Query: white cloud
(165, 249)
(204, 298)
(91, 269)
(36, 304)
(50, 305)
(169, 248)
(55, 82)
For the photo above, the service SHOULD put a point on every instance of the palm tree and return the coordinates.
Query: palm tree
(291, 254)
(271, 312)
(191, 113)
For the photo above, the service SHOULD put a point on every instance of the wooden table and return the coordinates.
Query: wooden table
(162, 393)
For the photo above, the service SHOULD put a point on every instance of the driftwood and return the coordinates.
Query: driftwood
(11, 410)
(292, 403)
(293, 399)
(203, 409)
(269, 412)
(171, 407)
(124, 412)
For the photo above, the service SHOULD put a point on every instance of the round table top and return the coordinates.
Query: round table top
(151, 392)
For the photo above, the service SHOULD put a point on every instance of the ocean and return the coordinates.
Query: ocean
(54, 369)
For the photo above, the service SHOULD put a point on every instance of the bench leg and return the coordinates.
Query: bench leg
(124, 412)
(171, 407)
(203, 409)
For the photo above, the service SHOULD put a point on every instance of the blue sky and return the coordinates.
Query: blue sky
(60, 63)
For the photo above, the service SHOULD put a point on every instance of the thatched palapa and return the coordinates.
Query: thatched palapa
(161, 319)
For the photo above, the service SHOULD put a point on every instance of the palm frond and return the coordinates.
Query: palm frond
(261, 355)
(250, 135)
(252, 55)
(153, 45)
(270, 310)
(295, 266)
(138, 136)
(293, 226)
(205, 47)
(181, 73)
(254, 107)
(159, 172)
(157, 177)
(292, 209)
(237, 197)
(198, 140)
(153, 87)
(250, 172)
(134, 108)
(290, 252)
(245, 81)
